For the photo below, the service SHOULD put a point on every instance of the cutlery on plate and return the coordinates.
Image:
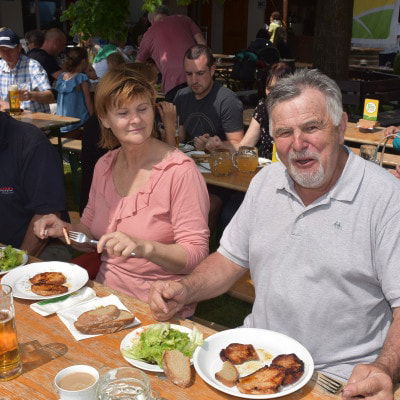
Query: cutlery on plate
(80, 237)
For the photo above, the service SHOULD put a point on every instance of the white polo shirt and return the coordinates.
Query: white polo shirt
(326, 274)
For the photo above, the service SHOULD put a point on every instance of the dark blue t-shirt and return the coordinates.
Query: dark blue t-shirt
(31, 180)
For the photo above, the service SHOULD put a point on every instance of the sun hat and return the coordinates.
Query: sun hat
(9, 38)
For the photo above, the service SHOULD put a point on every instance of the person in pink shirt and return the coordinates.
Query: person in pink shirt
(166, 42)
(146, 196)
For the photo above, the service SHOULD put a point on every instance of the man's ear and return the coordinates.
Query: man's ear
(342, 127)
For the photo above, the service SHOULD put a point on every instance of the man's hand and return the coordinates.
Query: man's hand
(371, 381)
(166, 298)
(3, 105)
(201, 141)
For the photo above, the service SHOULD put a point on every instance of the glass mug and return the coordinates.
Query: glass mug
(221, 162)
(13, 98)
(125, 383)
(246, 159)
(10, 358)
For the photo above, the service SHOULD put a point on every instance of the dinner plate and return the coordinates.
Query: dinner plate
(18, 278)
(24, 261)
(127, 342)
(207, 361)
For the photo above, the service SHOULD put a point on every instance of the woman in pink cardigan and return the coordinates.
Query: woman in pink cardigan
(146, 197)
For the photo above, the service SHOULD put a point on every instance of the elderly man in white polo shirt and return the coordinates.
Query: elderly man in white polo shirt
(320, 233)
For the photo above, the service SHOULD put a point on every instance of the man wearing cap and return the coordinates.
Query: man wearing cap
(17, 69)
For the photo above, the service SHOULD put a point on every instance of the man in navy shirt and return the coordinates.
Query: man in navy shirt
(31, 182)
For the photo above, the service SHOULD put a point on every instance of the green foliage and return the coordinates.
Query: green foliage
(106, 19)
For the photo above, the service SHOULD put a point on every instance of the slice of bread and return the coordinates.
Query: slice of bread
(177, 368)
(96, 316)
(124, 319)
(228, 375)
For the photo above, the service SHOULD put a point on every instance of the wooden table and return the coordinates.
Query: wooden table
(47, 347)
(48, 123)
(236, 181)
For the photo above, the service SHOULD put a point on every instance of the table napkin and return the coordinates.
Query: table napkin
(80, 296)
(70, 315)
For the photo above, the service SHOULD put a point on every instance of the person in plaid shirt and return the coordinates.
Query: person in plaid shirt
(28, 74)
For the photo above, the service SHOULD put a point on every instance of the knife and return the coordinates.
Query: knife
(55, 300)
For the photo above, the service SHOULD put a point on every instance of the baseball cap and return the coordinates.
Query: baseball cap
(8, 38)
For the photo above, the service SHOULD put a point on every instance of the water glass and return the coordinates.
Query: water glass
(10, 358)
(367, 151)
(124, 383)
(246, 159)
(221, 162)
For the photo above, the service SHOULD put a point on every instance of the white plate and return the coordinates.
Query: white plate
(18, 278)
(24, 261)
(207, 361)
(127, 343)
(185, 147)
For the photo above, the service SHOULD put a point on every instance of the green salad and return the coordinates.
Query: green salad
(152, 343)
(10, 258)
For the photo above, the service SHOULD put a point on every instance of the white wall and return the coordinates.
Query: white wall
(11, 16)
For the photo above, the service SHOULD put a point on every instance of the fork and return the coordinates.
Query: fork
(80, 237)
(329, 384)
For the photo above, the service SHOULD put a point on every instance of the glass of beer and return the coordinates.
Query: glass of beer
(221, 162)
(246, 159)
(13, 98)
(10, 360)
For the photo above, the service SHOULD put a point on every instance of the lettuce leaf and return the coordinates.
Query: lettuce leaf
(10, 258)
(153, 341)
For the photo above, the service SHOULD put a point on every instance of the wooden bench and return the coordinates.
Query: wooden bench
(243, 289)
(390, 160)
(73, 145)
(375, 85)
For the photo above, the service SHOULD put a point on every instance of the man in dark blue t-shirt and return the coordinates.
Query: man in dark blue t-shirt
(31, 182)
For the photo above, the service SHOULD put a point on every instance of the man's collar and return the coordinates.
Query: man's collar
(344, 189)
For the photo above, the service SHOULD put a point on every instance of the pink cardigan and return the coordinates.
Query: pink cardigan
(171, 208)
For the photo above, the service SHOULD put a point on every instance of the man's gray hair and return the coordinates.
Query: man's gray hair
(294, 85)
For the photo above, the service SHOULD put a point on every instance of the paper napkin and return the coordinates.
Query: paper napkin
(70, 300)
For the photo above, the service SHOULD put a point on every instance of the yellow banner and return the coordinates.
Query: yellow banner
(371, 109)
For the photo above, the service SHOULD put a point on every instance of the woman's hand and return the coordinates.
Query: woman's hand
(201, 141)
(49, 226)
(119, 244)
(391, 130)
(167, 113)
(214, 143)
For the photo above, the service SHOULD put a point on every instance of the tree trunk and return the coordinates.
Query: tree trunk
(332, 38)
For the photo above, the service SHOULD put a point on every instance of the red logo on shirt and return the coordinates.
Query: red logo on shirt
(6, 190)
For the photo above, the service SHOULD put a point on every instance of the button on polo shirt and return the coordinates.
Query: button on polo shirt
(325, 274)
(31, 180)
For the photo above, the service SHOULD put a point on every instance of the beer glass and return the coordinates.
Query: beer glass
(13, 98)
(221, 162)
(246, 159)
(10, 359)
